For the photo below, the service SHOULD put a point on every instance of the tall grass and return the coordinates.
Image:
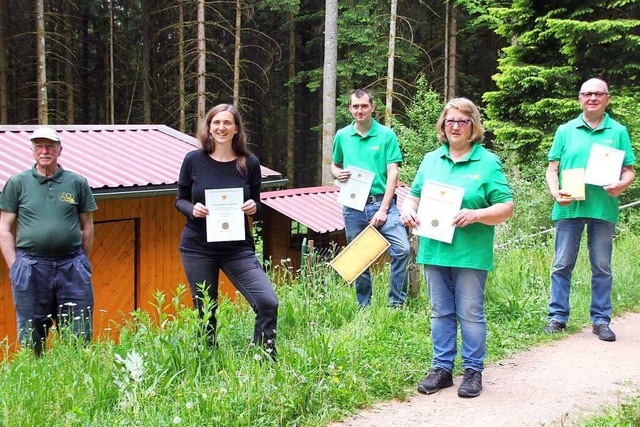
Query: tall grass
(334, 358)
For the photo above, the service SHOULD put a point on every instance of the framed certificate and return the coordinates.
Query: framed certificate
(225, 221)
(360, 254)
(439, 204)
(355, 191)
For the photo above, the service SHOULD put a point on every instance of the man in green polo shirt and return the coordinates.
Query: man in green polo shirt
(367, 144)
(48, 265)
(571, 148)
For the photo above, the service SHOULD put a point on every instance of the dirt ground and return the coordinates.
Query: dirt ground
(556, 384)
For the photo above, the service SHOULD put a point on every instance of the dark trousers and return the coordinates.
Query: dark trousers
(245, 273)
(51, 288)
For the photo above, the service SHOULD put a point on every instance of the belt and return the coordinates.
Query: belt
(378, 198)
(71, 255)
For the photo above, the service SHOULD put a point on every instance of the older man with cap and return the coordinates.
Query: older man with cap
(48, 265)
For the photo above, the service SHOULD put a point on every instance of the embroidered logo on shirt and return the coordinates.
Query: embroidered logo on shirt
(375, 148)
(476, 176)
(68, 198)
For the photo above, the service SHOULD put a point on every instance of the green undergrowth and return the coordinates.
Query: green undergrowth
(333, 358)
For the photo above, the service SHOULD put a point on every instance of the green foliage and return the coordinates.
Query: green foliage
(555, 46)
(418, 136)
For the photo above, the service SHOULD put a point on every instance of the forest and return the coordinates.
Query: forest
(168, 61)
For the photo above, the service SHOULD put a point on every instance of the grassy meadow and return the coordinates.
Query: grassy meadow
(333, 357)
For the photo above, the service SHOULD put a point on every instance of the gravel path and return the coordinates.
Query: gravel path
(556, 384)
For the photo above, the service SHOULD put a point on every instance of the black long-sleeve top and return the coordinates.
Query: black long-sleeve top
(199, 172)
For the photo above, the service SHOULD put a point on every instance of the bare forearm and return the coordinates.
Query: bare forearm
(87, 241)
(494, 215)
(8, 247)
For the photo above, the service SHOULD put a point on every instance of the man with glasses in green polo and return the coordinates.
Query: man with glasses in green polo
(571, 148)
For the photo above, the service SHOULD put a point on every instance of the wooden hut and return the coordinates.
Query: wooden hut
(133, 172)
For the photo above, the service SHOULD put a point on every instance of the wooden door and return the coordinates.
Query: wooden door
(114, 275)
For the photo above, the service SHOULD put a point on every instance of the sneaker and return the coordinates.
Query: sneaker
(471, 384)
(436, 379)
(554, 327)
(603, 332)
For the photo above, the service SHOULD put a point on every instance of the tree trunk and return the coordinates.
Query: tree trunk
(147, 40)
(236, 56)
(112, 83)
(291, 104)
(388, 114)
(70, 71)
(202, 66)
(329, 87)
(4, 102)
(450, 50)
(43, 111)
(181, 78)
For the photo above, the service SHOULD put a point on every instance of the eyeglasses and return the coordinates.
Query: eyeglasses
(48, 147)
(598, 95)
(461, 123)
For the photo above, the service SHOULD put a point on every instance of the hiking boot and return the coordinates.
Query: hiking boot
(554, 327)
(603, 332)
(471, 384)
(436, 379)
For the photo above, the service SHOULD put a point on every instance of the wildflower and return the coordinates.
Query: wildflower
(177, 420)
(70, 304)
(257, 356)
(189, 405)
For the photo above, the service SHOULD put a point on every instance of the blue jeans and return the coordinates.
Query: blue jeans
(399, 251)
(245, 272)
(51, 288)
(456, 295)
(600, 244)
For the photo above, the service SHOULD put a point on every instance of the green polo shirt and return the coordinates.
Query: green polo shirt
(571, 147)
(484, 183)
(373, 152)
(48, 210)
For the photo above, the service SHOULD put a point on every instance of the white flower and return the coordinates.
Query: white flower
(177, 420)
(134, 365)
(189, 405)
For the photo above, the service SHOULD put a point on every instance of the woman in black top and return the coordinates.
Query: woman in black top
(224, 162)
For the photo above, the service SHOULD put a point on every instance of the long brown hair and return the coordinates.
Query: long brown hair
(239, 141)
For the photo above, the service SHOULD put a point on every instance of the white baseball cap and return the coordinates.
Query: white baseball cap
(45, 133)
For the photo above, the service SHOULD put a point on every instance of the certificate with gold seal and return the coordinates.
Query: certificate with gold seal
(225, 221)
(439, 204)
(355, 191)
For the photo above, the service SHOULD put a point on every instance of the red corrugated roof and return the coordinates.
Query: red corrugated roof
(315, 207)
(109, 156)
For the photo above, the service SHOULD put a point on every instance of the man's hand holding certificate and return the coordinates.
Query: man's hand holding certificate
(439, 204)
(225, 221)
(354, 192)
